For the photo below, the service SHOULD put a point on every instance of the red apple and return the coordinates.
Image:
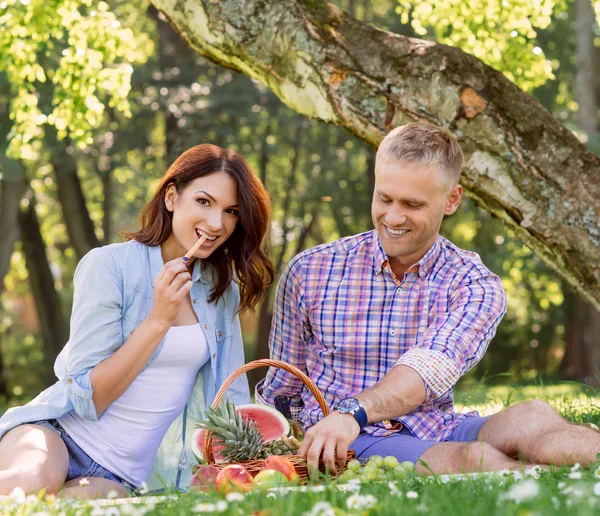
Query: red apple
(204, 478)
(233, 477)
(281, 464)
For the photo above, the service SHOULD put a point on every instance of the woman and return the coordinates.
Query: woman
(153, 336)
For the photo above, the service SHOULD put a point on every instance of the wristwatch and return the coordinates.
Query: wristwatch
(353, 406)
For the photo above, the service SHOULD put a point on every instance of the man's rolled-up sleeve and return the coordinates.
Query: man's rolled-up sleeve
(457, 340)
(95, 328)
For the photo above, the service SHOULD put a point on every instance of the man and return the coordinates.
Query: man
(386, 322)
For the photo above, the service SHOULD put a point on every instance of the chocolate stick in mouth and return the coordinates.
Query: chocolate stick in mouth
(195, 247)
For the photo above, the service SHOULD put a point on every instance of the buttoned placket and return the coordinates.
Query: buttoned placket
(206, 325)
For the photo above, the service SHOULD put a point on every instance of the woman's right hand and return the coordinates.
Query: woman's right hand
(171, 286)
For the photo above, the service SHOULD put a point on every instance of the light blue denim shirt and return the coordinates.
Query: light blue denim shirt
(114, 293)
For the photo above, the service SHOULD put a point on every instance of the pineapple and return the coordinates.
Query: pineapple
(241, 438)
(283, 446)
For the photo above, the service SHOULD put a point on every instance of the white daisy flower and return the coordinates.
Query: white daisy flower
(597, 488)
(533, 472)
(576, 467)
(412, 495)
(321, 509)
(220, 506)
(523, 492)
(18, 495)
(361, 502)
(234, 497)
(84, 482)
(575, 475)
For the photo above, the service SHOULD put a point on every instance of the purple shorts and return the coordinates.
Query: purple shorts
(406, 447)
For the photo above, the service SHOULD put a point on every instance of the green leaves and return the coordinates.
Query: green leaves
(502, 33)
(66, 60)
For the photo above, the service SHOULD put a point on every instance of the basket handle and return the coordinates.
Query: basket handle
(255, 364)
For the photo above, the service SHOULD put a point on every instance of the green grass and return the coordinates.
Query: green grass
(561, 491)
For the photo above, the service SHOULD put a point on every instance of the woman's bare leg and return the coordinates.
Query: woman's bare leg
(92, 488)
(33, 458)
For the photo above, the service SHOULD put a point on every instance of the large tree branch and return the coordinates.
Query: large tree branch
(522, 165)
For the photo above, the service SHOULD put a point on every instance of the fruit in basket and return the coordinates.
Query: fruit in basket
(281, 464)
(240, 433)
(198, 446)
(283, 446)
(270, 478)
(240, 438)
(269, 421)
(233, 477)
(204, 478)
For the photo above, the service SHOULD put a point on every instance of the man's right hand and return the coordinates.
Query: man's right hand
(173, 283)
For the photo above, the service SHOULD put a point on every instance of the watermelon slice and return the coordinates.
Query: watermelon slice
(270, 422)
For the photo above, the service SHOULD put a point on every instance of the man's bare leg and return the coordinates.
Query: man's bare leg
(535, 431)
(450, 457)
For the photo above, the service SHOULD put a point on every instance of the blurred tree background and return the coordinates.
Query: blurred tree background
(98, 98)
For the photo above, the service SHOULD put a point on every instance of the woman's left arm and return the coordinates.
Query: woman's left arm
(95, 328)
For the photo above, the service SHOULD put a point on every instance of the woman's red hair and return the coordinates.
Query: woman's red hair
(241, 255)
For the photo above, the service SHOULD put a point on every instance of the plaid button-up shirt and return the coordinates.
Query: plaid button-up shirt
(344, 318)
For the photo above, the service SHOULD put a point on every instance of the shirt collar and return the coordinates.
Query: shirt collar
(424, 266)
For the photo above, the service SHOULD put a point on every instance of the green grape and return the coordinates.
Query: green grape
(400, 473)
(346, 475)
(407, 465)
(390, 462)
(369, 466)
(354, 465)
(376, 459)
(368, 476)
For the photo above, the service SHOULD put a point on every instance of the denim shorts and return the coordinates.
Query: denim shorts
(406, 447)
(80, 463)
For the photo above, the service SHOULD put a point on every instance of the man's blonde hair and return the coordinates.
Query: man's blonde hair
(424, 144)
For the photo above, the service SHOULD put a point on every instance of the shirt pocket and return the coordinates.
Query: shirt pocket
(223, 331)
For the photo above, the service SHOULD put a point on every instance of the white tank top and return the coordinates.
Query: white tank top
(127, 436)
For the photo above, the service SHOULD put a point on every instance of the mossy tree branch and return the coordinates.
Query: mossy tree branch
(522, 165)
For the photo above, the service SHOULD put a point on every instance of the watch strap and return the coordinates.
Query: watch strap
(360, 414)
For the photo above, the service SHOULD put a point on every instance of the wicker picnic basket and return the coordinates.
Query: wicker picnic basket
(254, 466)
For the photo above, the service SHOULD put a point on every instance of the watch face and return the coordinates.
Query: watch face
(348, 405)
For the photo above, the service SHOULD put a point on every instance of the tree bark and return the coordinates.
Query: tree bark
(522, 165)
(52, 323)
(107, 202)
(582, 354)
(12, 186)
(77, 218)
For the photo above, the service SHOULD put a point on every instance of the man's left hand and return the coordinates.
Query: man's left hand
(332, 436)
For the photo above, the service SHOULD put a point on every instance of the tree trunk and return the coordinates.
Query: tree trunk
(582, 354)
(77, 218)
(52, 323)
(12, 186)
(107, 201)
(522, 165)
(4, 394)
(371, 171)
